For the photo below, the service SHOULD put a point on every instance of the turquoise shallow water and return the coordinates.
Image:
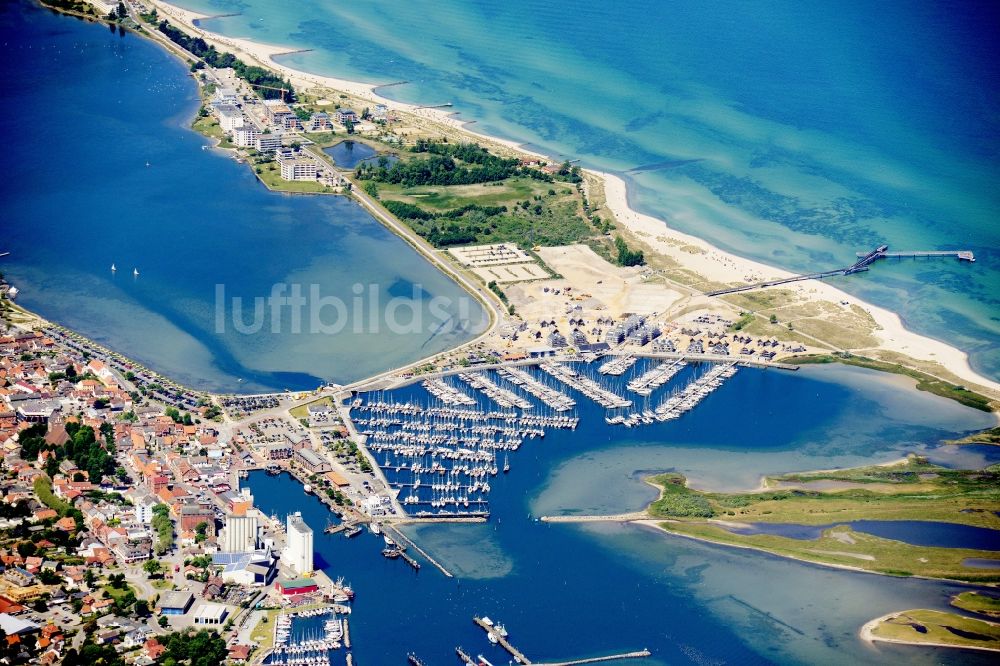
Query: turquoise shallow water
(796, 133)
(109, 172)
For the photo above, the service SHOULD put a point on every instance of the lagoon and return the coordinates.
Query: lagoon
(119, 178)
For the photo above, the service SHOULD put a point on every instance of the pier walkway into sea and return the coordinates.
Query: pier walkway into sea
(519, 657)
(865, 259)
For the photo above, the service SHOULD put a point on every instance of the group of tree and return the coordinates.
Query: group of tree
(269, 85)
(626, 256)
(200, 648)
(91, 654)
(94, 455)
(164, 529)
(474, 165)
(177, 417)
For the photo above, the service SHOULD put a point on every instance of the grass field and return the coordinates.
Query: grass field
(505, 193)
(842, 546)
(302, 411)
(911, 490)
(977, 602)
(270, 174)
(936, 627)
(211, 128)
(915, 490)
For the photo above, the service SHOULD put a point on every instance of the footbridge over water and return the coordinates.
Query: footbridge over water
(865, 259)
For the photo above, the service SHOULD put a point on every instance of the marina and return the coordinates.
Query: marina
(325, 632)
(695, 392)
(656, 377)
(441, 457)
(618, 365)
(585, 385)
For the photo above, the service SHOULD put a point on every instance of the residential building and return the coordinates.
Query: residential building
(281, 451)
(298, 554)
(226, 95)
(320, 121)
(230, 118)
(268, 142)
(298, 168)
(276, 111)
(246, 136)
(345, 115)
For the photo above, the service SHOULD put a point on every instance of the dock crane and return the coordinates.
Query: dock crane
(261, 85)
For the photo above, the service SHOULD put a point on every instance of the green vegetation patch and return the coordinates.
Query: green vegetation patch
(266, 83)
(844, 547)
(936, 627)
(925, 382)
(977, 602)
(915, 490)
(990, 436)
(302, 411)
(461, 194)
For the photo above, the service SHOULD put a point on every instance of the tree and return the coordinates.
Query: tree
(163, 621)
(202, 648)
(141, 608)
(122, 11)
(49, 577)
(152, 567)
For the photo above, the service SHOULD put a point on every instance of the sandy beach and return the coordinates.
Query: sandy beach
(708, 261)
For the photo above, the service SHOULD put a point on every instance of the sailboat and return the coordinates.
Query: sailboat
(135, 272)
(113, 268)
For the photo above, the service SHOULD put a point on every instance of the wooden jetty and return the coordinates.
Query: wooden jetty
(502, 641)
